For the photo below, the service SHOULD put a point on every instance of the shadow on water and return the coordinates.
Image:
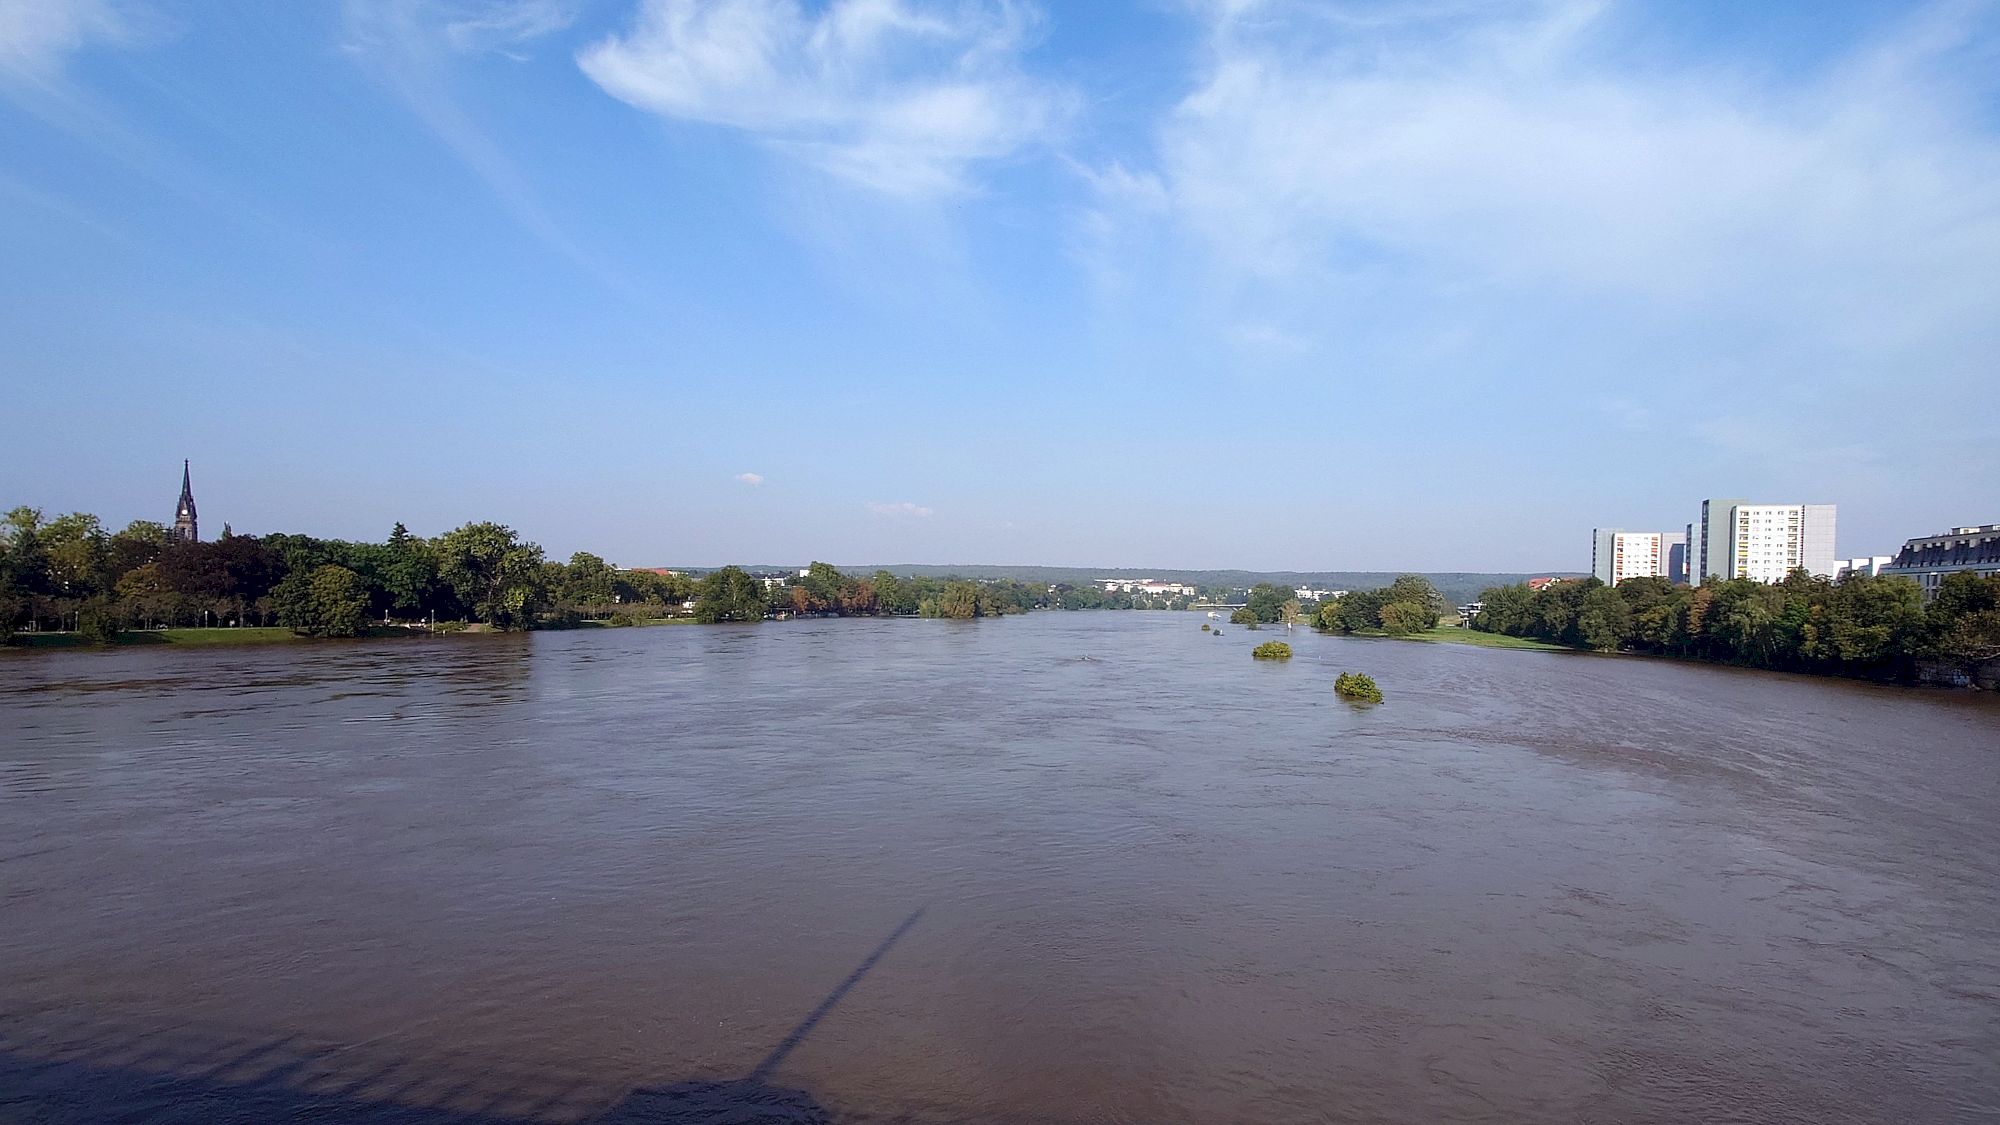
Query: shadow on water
(56, 1068)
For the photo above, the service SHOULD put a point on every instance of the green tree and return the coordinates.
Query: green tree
(1415, 589)
(729, 594)
(1328, 615)
(141, 542)
(1962, 623)
(1743, 621)
(893, 595)
(409, 577)
(1603, 620)
(100, 620)
(822, 584)
(1243, 615)
(328, 601)
(1866, 625)
(76, 552)
(1267, 601)
(1360, 611)
(1958, 596)
(493, 573)
(1401, 619)
(1507, 609)
(588, 581)
(958, 599)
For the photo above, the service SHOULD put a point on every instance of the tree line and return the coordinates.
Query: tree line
(1408, 605)
(1875, 627)
(733, 594)
(71, 573)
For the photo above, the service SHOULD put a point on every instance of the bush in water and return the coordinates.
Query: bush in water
(1354, 685)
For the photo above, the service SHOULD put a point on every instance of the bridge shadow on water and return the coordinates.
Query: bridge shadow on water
(59, 1068)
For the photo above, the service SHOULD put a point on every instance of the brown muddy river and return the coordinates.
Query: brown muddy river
(1092, 867)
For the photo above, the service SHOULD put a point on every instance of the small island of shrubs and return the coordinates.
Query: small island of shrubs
(1358, 687)
(1272, 650)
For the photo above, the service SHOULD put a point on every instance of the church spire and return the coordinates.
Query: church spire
(185, 527)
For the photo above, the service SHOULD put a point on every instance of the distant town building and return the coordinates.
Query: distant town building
(1975, 548)
(1309, 594)
(1467, 612)
(1150, 587)
(1540, 584)
(1617, 554)
(185, 529)
(1869, 566)
(1761, 542)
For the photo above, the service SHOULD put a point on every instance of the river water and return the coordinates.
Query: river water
(1094, 867)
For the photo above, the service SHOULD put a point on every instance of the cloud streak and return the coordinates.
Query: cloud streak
(901, 509)
(38, 36)
(894, 97)
(752, 479)
(409, 48)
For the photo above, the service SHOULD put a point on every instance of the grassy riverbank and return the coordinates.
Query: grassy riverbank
(253, 635)
(249, 635)
(1453, 635)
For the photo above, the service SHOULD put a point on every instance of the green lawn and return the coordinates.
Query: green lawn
(246, 636)
(1452, 634)
(249, 635)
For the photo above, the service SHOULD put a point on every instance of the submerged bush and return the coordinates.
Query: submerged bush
(1272, 650)
(1204, 627)
(1356, 686)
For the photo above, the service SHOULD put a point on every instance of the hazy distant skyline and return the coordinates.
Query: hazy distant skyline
(1262, 285)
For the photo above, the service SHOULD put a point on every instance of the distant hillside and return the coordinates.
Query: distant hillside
(1458, 587)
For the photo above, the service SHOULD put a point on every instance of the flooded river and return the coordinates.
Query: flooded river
(1094, 867)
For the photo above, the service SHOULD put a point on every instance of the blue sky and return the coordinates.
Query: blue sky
(1434, 284)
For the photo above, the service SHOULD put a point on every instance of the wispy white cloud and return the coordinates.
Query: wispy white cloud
(506, 26)
(897, 97)
(751, 479)
(38, 36)
(1384, 176)
(902, 509)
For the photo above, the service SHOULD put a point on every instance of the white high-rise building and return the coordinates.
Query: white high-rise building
(1636, 554)
(1769, 541)
(1616, 555)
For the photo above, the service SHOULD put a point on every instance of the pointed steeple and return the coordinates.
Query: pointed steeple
(185, 526)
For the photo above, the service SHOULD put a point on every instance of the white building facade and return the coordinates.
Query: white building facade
(1762, 542)
(1617, 554)
(1149, 587)
(1868, 566)
(1974, 548)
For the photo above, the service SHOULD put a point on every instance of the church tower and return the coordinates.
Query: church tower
(184, 523)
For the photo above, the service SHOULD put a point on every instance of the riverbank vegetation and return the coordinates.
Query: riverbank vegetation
(1862, 626)
(70, 577)
(1406, 607)
(1272, 650)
